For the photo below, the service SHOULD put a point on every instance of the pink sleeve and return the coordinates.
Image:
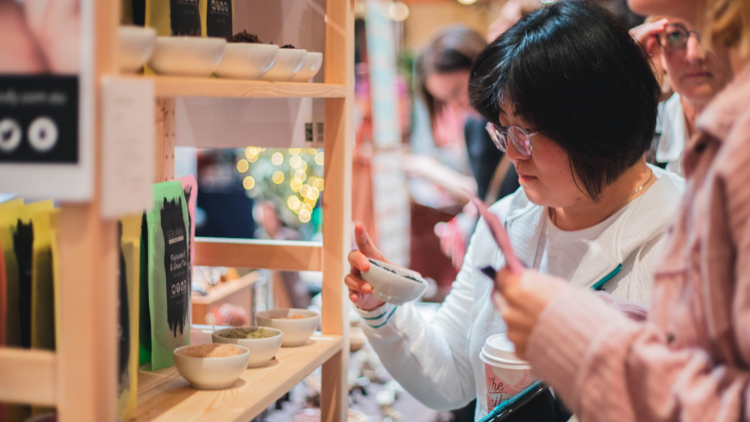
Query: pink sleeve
(608, 368)
(634, 310)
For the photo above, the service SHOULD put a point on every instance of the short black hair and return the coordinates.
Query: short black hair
(575, 74)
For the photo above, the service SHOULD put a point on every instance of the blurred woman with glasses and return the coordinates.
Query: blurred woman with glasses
(572, 99)
(695, 74)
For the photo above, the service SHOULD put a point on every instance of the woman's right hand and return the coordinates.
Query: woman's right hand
(359, 290)
(646, 34)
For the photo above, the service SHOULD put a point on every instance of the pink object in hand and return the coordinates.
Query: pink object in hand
(501, 236)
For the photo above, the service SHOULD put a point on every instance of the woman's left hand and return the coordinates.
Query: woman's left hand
(521, 300)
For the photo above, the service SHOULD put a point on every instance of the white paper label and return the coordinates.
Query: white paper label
(127, 146)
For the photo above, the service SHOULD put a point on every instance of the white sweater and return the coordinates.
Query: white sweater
(438, 361)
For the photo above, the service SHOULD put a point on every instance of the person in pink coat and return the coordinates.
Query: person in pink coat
(690, 360)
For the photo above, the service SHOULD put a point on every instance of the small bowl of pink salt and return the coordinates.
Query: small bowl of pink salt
(211, 366)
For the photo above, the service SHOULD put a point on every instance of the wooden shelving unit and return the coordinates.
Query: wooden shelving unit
(275, 255)
(236, 292)
(80, 378)
(165, 396)
(176, 86)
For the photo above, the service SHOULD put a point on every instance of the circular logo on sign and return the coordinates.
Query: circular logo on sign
(42, 134)
(10, 135)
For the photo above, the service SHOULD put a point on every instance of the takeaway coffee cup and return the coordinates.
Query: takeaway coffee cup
(505, 374)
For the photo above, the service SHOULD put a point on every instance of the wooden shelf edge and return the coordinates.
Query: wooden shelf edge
(28, 376)
(179, 86)
(266, 254)
(224, 289)
(164, 395)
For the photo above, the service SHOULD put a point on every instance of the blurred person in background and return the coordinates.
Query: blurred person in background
(622, 12)
(695, 74)
(439, 168)
(443, 73)
(591, 210)
(223, 207)
(689, 360)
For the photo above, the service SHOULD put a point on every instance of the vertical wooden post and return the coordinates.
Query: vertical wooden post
(87, 352)
(339, 131)
(164, 139)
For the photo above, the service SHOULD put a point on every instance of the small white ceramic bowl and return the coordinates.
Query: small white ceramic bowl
(313, 62)
(394, 284)
(187, 56)
(291, 61)
(295, 332)
(262, 350)
(136, 46)
(247, 61)
(211, 373)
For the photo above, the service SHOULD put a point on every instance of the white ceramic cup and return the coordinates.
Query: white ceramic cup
(294, 332)
(262, 350)
(247, 61)
(187, 56)
(313, 62)
(505, 374)
(136, 46)
(394, 284)
(211, 373)
(290, 61)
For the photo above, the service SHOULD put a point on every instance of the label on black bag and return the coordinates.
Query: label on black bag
(176, 264)
(219, 18)
(185, 17)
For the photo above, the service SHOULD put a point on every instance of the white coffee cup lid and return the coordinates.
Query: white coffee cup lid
(499, 348)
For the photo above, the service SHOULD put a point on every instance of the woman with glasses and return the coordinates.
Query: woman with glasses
(690, 360)
(695, 74)
(572, 99)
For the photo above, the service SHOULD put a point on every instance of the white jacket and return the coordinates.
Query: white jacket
(674, 134)
(438, 361)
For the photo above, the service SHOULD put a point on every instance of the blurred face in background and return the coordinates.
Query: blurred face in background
(694, 72)
(688, 10)
(450, 89)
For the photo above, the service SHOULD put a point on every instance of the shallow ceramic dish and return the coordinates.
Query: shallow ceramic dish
(394, 284)
(247, 61)
(295, 332)
(211, 373)
(136, 46)
(313, 62)
(290, 61)
(187, 56)
(262, 350)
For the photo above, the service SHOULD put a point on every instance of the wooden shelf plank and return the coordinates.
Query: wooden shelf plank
(226, 288)
(28, 376)
(179, 86)
(266, 254)
(165, 396)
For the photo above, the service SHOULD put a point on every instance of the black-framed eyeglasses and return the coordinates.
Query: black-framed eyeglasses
(675, 37)
(519, 136)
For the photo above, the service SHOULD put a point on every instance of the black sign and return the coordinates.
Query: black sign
(219, 18)
(39, 119)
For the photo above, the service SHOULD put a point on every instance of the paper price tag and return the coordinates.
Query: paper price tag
(127, 146)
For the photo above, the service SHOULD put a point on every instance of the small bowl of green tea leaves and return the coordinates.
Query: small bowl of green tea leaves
(263, 342)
